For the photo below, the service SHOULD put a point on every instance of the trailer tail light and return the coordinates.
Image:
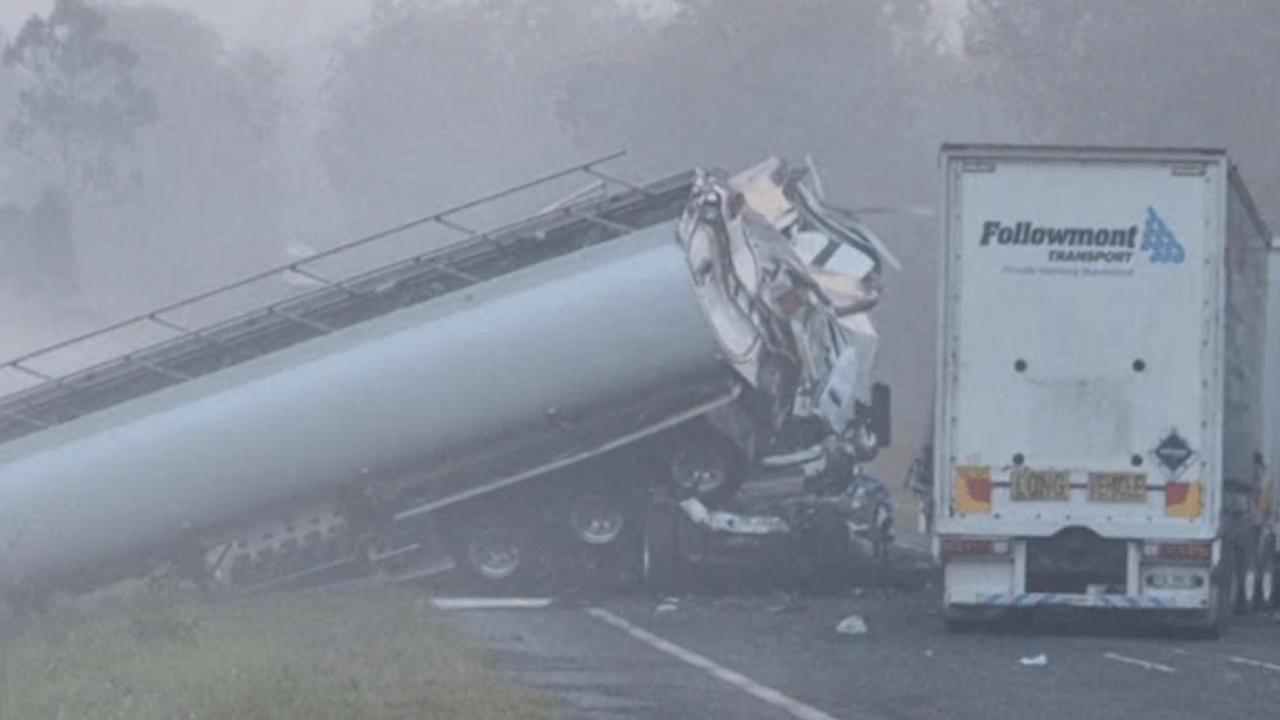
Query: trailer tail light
(1199, 552)
(974, 547)
(973, 489)
(1183, 499)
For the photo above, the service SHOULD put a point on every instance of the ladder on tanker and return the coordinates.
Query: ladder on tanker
(164, 348)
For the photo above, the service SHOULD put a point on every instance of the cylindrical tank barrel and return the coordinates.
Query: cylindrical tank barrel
(601, 326)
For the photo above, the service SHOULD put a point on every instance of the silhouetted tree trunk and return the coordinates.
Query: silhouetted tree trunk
(49, 248)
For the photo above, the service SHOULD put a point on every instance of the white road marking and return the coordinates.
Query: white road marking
(1140, 663)
(1254, 663)
(488, 603)
(764, 693)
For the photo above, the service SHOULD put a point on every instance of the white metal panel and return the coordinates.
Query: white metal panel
(1271, 392)
(1080, 264)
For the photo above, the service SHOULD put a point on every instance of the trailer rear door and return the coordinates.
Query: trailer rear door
(1079, 376)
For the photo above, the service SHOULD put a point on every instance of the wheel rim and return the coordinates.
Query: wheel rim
(699, 469)
(596, 520)
(494, 554)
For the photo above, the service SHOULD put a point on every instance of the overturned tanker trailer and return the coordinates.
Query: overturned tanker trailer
(474, 403)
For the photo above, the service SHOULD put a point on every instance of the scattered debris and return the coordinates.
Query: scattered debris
(666, 606)
(1035, 660)
(852, 625)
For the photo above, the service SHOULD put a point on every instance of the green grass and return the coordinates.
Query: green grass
(346, 655)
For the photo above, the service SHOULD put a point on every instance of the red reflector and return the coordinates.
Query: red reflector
(958, 546)
(979, 487)
(1175, 493)
(1187, 551)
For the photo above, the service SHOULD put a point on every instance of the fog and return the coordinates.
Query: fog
(291, 122)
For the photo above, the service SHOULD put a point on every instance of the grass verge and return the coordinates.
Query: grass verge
(349, 655)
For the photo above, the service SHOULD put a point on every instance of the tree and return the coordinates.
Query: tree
(80, 109)
(1142, 72)
(210, 205)
(83, 106)
(434, 103)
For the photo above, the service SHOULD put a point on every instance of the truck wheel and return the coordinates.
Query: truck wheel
(494, 551)
(662, 561)
(603, 542)
(706, 465)
(826, 555)
(1225, 601)
(1236, 593)
(598, 518)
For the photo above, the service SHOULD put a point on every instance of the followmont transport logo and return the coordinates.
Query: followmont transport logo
(1090, 247)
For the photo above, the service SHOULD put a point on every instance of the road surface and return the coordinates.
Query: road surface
(768, 658)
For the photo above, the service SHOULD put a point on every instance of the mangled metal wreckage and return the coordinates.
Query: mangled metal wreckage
(520, 392)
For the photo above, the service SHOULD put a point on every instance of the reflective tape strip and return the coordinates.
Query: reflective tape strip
(1122, 602)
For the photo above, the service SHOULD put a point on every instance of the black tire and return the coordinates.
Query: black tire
(495, 552)
(663, 565)
(1235, 595)
(827, 555)
(1218, 618)
(600, 517)
(707, 465)
(610, 557)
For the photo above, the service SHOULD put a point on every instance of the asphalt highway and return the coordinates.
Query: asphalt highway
(776, 656)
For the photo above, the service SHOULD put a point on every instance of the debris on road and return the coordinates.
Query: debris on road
(852, 625)
(1034, 660)
(667, 606)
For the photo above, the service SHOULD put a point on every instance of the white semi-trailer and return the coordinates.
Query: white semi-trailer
(1100, 412)
(1260, 580)
(460, 401)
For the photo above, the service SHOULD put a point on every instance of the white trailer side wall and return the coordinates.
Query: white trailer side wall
(1245, 444)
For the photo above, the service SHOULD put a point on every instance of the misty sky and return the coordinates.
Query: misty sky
(293, 23)
(278, 23)
(270, 22)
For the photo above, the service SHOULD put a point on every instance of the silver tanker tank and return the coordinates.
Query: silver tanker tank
(669, 320)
